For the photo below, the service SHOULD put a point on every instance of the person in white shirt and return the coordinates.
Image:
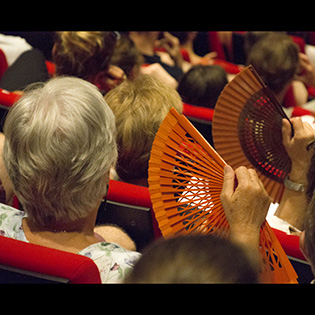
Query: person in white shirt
(13, 47)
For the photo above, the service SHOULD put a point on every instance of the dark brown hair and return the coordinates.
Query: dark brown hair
(127, 57)
(202, 85)
(193, 259)
(276, 59)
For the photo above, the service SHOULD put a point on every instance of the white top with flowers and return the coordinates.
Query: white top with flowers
(113, 261)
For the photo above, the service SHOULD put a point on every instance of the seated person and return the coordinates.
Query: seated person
(127, 57)
(289, 216)
(186, 40)
(202, 85)
(171, 60)
(139, 107)
(131, 61)
(87, 55)
(29, 67)
(58, 150)
(276, 59)
(208, 259)
(193, 259)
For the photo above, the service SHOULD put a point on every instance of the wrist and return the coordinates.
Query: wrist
(246, 234)
(247, 238)
(299, 174)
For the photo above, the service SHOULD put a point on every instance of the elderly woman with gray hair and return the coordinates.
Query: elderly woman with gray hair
(59, 148)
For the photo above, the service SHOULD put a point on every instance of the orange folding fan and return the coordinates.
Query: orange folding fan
(246, 130)
(185, 182)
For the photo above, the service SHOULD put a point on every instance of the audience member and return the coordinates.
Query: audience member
(131, 61)
(139, 107)
(29, 67)
(276, 58)
(294, 202)
(202, 85)
(87, 55)
(208, 259)
(25, 66)
(58, 151)
(171, 60)
(193, 259)
(13, 47)
(127, 57)
(186, 40)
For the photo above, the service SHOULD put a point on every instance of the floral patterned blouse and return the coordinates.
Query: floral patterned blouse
(113, 261)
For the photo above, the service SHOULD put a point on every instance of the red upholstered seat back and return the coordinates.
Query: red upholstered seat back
(290, 244)
(7, 99)
(51, 68)
(3, 63)
(30, 258)
(198, 112)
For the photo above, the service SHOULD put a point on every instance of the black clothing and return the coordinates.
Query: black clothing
(175, 72)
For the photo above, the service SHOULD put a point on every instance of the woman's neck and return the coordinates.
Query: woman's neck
(63, 238)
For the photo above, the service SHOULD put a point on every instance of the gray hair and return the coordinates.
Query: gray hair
(59, 147)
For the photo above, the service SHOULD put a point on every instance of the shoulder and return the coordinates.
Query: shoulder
(112, 260)
(10, 221)
(9, 212)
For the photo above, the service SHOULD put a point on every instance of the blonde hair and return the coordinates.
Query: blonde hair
(83, 54)
(139, 107)
(59, 148)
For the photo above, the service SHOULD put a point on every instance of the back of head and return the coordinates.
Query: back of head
(276, 59)
(59, 147)
(251, 37)
(193, 259)
(202, 85)
(139, 107)
(127, 57)
(83, 54)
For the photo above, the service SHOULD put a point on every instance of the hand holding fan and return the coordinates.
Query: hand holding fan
(247, 130)
(185, 183)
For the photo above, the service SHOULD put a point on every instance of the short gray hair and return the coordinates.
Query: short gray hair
(59, 147)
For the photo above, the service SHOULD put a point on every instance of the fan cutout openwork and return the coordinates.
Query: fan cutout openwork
(185, 183)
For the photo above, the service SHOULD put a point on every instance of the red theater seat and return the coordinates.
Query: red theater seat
(22, 262)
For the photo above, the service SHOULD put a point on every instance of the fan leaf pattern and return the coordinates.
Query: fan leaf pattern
(247, 130)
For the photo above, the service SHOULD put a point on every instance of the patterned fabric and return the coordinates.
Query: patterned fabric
(113, 261)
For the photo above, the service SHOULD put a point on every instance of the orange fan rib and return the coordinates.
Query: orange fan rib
(185, 183)
(247, 127)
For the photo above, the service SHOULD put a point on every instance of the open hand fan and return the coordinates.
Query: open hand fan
(246, 130)
(185, 183)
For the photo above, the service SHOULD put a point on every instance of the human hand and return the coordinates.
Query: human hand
(172, 46)
(208, 59)
(307, 71)
(112, 78)
(245, 206)
(299, 147)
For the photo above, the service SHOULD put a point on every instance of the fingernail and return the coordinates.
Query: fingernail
(228, 170)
